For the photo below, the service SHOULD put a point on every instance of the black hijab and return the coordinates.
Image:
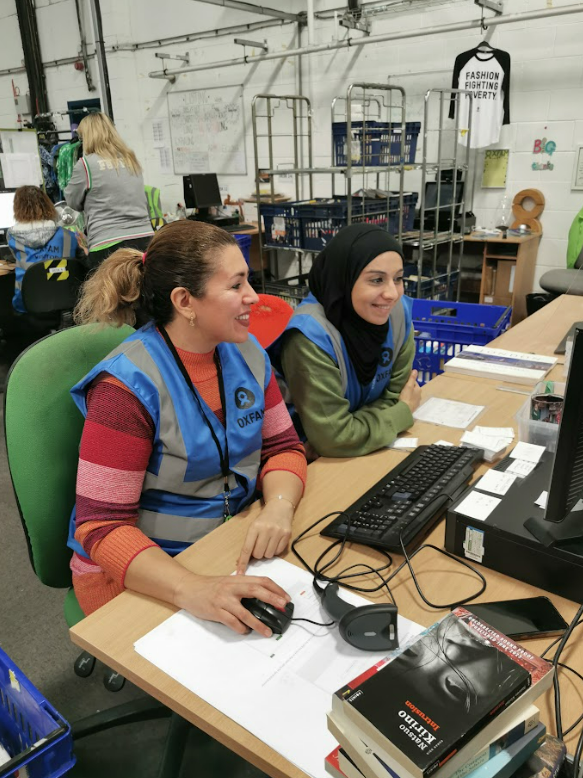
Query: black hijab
(332, 277)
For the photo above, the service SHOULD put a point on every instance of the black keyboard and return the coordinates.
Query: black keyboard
(237, 227)
(409, 500)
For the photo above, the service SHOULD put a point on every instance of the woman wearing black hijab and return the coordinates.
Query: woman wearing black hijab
(347, 352)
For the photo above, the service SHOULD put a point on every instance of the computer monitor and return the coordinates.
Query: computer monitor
(201, 191)
(445, 196)
(6, 210)
(563, 519)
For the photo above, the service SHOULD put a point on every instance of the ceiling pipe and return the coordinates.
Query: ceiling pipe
(255, 9)
(456, 27)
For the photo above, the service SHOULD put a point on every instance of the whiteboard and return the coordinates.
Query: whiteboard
(207, 130)
(20, 158)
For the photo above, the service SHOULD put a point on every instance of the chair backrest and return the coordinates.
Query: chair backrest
(155, 210)
(43, 429)
(268, 318)
(52, 286)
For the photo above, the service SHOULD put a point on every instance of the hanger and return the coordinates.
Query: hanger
(484, 45)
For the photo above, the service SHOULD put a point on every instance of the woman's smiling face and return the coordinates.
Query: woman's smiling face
(378, 288)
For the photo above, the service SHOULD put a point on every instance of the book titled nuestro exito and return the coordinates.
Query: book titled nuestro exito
(441, 691)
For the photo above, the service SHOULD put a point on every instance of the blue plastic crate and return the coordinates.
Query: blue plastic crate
(282, 225)
(321, 220)
(442, 329)
(365, 142)
(244, 242)
(27, 719)
(390, 143)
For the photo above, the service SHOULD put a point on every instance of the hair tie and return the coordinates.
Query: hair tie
(144, 258)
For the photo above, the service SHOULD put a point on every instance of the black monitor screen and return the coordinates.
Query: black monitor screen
(567, 479)
(201, 190)
(445, 195)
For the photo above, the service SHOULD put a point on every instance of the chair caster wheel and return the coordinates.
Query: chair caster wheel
(84, 665)
(113, 681)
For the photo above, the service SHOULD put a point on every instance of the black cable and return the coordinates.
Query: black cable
(578, 674)
(319, 572)
(557, 690)
(318, 623)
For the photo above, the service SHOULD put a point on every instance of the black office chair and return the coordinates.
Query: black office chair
(50, 290)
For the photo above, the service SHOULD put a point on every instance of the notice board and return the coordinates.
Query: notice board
(207, 131)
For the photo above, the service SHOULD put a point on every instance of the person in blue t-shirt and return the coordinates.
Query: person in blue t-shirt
(347, 352)
(35, 236)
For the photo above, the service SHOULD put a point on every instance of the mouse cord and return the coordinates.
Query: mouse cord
(318, 623)
(358, 569)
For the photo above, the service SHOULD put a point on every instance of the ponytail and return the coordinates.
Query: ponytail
(111, 295)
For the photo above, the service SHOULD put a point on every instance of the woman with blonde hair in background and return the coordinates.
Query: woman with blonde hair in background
(107, 185)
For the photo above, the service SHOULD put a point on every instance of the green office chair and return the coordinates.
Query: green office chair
(43, 430)
(154, 207)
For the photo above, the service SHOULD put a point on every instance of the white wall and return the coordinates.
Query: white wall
(546, 83)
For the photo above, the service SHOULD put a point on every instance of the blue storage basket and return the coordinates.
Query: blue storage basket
(244, 242)
(365, 143)
(26, 719)
(444, 328)
(282, 225)
(292, 290)
(441, 290)
(321, 220)
(390, 143)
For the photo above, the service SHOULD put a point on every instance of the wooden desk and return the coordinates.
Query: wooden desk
(6, 268)
(110, 633)
(507, 271)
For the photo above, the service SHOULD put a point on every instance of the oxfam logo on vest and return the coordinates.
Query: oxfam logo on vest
(386, 357)
(244, 398)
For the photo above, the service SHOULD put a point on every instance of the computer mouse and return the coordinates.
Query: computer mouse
(278, 620)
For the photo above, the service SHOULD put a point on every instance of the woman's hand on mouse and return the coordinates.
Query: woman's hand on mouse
(411, 392)
(269, 534)
(218, 598)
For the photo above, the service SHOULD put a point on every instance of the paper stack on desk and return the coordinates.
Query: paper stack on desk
(492, 440)
(278, 688)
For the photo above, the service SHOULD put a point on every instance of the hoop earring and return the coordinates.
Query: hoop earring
(191, 320)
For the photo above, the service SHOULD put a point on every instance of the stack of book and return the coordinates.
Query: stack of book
(513, 366)
(456, 702)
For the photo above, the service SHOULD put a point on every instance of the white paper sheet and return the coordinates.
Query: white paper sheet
(487, 442)
(478, 506)
(405, 443)
(278, 688)
(447, 413)
(527, 451)
(542, 499)
(521, 467)
(443, 443)
(495, 432)
(496, 482)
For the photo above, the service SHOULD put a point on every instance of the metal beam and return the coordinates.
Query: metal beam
(455, 27)
(101, 60)
(255, 9)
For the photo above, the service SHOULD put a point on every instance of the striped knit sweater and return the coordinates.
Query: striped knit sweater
(116, 446)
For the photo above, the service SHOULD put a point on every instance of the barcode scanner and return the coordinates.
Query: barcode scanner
(368, 627)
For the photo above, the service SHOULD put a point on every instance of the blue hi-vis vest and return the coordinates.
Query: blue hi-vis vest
(62, 245)
(309, 318)
(182, 495)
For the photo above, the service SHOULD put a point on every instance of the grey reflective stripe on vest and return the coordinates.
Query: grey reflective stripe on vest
(67, 240)
(170, 477)
(316, 311)
(183, 529)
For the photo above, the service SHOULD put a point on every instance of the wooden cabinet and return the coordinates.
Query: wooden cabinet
(507, 271)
